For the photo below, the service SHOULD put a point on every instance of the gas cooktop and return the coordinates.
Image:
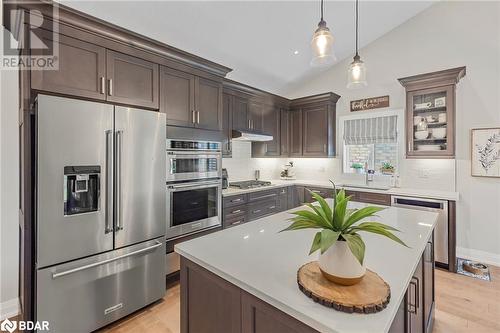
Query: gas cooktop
(249, 184)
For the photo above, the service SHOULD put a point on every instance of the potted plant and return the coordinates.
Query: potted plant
(338, 239)
(387, 168)
(357, 167)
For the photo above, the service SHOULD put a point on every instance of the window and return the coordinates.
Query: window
(371, 140)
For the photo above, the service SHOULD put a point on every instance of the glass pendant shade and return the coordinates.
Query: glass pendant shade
(356, 74)
(322, 46)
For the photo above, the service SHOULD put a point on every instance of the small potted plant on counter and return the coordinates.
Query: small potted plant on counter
(342, 250)
(387, 168)
(357, 167)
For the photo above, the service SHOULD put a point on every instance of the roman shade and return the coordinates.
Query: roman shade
(370, 130)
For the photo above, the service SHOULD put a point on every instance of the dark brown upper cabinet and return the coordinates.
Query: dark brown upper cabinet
(90, 71)
(227, 128)
(284, 132)
(271, 117)
(208, 104)
(256, 119)
(177, 97)
(430, 113)
(295, 127)
(131, 80)
(241, 114)
(190, 101)
(313, 126)
(81, 72)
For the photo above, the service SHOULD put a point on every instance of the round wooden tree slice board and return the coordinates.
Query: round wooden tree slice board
(370, 295)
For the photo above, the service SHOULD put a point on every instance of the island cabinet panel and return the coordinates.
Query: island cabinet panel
(428, 286)
(284, 132)
(81, 72)
(315, 135)
(227, 127)
(131, 80)
(259, 317)
(295, 132)
(209, 304)
(208, 104)
(177, 97)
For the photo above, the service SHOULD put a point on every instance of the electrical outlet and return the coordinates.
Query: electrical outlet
(423, 173)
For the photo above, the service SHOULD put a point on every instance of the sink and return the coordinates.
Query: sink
(371, 187)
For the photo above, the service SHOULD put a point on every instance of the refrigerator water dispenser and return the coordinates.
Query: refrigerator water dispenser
(81, 189)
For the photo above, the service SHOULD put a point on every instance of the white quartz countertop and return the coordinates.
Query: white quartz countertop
(403, 191)
(263, 262)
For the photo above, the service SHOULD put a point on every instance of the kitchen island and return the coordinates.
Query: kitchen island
(243, 279)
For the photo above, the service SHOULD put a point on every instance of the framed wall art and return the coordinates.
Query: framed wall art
(485, 157)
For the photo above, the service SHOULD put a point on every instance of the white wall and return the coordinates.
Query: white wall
(448, 34)
(9, 193)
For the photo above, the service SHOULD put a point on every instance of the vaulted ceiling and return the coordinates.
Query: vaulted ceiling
(258, 39)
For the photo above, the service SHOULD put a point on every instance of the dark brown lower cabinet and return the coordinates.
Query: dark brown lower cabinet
(210, 304)
(325, 193)
(416, 312)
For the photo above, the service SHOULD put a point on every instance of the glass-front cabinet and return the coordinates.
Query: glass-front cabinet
(430, 113)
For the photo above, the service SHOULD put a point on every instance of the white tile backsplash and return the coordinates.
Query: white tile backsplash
(432, 174)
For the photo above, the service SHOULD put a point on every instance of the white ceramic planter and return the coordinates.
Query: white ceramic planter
(339, 265)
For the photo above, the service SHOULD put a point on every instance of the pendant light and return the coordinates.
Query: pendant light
(357, 69)
(322, 44)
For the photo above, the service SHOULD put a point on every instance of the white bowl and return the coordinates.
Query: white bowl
(421, 135)
(429, 147)
(439, 132)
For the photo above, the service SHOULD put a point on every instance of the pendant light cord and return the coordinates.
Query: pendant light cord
(321, 10)
(356, 27)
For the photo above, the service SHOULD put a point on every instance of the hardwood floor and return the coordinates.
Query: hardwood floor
(463, 304)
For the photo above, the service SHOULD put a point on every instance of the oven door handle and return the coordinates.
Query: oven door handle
(198, 184)
(187, 155)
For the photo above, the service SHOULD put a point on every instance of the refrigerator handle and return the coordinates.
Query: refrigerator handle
(118, 161)
(109, 183)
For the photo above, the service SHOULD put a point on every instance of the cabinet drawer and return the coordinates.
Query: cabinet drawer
(235, 200)
(263, 195)
(234, 220)
(260, 209)
(374, 198)
(235, 211)
(324, 192)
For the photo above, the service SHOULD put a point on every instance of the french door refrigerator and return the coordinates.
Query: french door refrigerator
(101, 213)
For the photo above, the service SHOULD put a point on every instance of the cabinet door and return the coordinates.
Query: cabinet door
(271, 126)
(428, 286)
(241, 114)
(284, 132)
(227, 106)
(81, 72)
(131, 80)
(295, 133)
(415, 304)
(208, 104)
(260, 317)
(256, 116)
(399, 323)
(177, 97)
(430, 122)
(315, 131)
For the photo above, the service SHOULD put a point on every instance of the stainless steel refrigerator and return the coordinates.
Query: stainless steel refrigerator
(100, 213)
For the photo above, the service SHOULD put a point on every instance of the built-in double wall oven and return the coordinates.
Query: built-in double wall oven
(194, 186)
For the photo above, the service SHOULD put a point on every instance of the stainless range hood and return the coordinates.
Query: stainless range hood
(244, 135)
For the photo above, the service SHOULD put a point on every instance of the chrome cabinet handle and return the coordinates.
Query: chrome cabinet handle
(272, 207)
(198, 117)
(119, 225)
(107, 261)
(193, 116)
(249, 123)
(324, 148)
(109, 183)
(236, 211)
(110, 87)
(414, 305)
(236, 222)
(103, 85)
(265, 196)
(236, 200)
(256, 211)
(194, 184)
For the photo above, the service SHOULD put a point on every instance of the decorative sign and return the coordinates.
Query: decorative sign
(370, 103)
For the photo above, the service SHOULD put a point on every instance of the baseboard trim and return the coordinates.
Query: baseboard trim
(9, 309)
(478, 255)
